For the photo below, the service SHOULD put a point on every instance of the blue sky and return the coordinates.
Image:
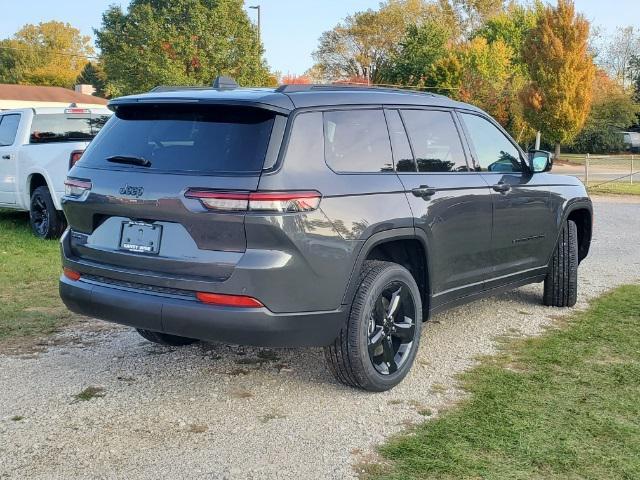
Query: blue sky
(290, 28)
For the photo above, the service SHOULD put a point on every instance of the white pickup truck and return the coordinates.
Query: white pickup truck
(37, 148)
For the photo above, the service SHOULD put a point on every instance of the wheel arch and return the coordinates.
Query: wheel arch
(39, 179)
(581, 212)
(404, 246)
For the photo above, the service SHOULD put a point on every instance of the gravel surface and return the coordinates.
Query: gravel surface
(215, 411)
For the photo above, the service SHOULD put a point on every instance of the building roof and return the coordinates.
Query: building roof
(33, 93)
(290, 97)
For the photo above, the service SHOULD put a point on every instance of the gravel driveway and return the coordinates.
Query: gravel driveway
(214, 411)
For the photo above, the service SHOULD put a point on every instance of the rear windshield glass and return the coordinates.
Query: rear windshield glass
(63, 127)
(183, 138)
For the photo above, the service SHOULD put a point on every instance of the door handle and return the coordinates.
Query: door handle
(502, 187)
(6, 157)
(423, 191)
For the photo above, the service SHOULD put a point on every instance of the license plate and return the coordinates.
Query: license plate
(140, 237)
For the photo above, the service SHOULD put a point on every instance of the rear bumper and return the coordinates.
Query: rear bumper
(187, 317)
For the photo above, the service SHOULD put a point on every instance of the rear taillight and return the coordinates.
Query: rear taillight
(224, 300)
(262, 202)
(71, 274)
(74, 187)
(74, 157)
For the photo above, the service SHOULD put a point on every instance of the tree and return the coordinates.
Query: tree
(613, 111)
(290, 79)
(51, 53)
(422, 47)
(619, 53)
(365, 42)
(93, 74)
(179, 42)
(558, 98)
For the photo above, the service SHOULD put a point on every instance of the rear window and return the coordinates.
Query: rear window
(200, 138)
(63, 127)
(357, 141)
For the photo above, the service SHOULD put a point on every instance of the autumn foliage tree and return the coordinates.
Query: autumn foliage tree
(50, 53)
(558, 98)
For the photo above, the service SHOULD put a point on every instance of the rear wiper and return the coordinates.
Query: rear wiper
(143, 162)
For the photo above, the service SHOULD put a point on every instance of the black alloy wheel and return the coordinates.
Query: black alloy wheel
(39, 216)
(46, 221)
(378, 343)
(391, 328)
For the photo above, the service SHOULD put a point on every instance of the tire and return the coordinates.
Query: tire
(369, 328)
(165, 338)
(46, 222)
(561, 283)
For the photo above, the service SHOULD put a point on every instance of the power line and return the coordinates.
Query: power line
(54, 52)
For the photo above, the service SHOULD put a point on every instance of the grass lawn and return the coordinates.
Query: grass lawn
(563, 405)
(29, 271)
(616, 188)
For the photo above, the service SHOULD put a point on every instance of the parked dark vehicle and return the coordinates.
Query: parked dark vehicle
(326, 216)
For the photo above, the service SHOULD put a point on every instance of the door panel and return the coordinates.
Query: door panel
(523, 218)
(8, 129)
(451, 205)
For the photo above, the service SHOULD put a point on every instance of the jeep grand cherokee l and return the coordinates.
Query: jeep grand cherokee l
(325, 216)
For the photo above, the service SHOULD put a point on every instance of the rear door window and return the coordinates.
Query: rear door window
(435, 141)
(8, 129)
(357, 141)
(66, 127)
(185, 138)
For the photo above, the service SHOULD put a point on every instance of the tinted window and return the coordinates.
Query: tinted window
(8, 129)
(402, 155)
(357, 141)
(62, 127)
(435, 141)
(494, 151)
(185, 138)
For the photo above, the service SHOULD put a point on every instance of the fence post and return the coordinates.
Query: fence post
(586, 171)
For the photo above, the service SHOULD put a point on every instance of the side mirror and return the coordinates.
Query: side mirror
(539, 161)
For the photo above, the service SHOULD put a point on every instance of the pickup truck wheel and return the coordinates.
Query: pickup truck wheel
(377, 346)
(46, 221)
(561, 284)
(165, 338)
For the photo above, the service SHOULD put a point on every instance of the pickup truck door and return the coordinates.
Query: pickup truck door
(8, 158)
(524, 223)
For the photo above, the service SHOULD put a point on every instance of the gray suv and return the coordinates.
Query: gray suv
(331, 216)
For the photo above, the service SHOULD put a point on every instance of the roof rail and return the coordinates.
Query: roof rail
(175, 88)
(293, 88)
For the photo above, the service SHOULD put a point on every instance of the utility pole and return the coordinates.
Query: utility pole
(257, 7)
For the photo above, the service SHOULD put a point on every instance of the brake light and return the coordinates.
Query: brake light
(82, 111)
(74, 157)
(224, 300)
(264, 202)
(74, 187)
(71, 274)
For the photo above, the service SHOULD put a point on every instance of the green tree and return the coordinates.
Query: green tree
(50, 53)
(179, 42)
(613, 111)
(364, 44)
(511, 26)
(93, 74)
(558, 98)
(421, 48)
